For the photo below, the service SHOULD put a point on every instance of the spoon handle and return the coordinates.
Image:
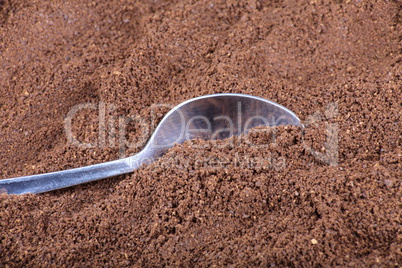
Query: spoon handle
(56, 180)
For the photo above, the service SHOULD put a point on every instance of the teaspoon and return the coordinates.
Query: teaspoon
(209, 117)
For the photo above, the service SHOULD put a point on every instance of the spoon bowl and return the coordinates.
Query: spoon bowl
(210, 117)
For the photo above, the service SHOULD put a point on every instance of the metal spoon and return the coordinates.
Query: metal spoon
(217, 116)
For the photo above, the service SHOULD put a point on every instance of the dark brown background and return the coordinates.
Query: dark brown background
(131, 55)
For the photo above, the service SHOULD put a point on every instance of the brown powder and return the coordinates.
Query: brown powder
(328, 195)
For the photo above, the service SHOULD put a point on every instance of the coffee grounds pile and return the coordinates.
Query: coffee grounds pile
(329, 194)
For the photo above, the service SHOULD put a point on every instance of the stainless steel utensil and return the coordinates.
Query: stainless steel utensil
(216, 116)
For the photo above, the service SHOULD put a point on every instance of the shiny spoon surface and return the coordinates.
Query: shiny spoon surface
(209, 117)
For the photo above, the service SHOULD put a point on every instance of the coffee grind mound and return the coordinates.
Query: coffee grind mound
(328, 194)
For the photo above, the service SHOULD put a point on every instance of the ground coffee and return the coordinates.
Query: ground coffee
(328, 195)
